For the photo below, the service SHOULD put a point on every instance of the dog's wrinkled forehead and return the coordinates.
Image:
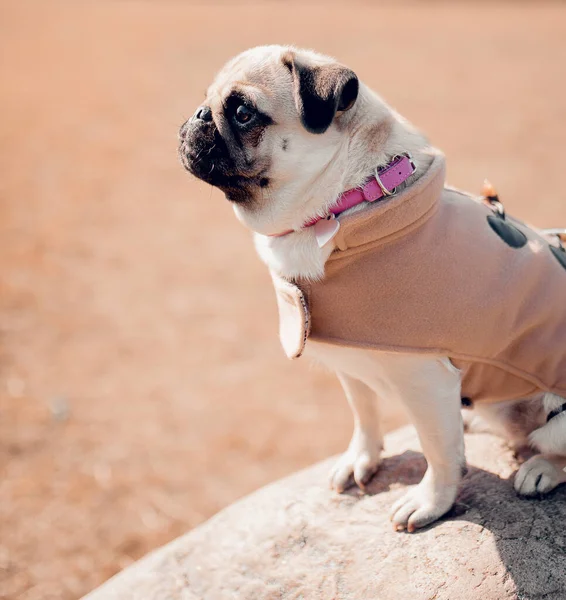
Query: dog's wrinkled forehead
(288, 81)
(258, 74)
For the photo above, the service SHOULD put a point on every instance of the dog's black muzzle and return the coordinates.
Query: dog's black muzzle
(205, 154)
(202, 150)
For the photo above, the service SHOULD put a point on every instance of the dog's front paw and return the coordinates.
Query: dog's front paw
(422, 505)
(356, 466)
(538, 476)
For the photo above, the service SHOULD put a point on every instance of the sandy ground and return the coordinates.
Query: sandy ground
(142, 384)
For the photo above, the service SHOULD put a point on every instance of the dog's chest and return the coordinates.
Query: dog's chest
(360, 364)
(384, 372)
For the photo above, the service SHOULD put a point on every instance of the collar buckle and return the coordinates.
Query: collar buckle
(397, 157)
(383, 189)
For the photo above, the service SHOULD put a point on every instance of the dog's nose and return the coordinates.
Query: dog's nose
(204, 114)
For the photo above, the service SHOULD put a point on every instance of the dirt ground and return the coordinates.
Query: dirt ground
(142, 384)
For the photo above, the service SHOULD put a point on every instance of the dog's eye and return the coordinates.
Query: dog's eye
(243, 114)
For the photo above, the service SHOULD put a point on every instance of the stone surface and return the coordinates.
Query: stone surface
(295, 539)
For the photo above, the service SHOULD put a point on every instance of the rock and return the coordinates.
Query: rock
(295, 539)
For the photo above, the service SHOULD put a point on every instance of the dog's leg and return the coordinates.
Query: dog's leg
(540, 474)
(431, 393)
(513, 420)
(359, 463)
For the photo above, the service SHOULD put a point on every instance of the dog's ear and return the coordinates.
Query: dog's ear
(321, 91)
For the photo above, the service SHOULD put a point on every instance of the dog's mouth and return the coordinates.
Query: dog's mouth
(197, 163)
(214, 168)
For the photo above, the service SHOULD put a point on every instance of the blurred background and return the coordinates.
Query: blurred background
(142, 386)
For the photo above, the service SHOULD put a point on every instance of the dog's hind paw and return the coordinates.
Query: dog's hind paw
(540, 475)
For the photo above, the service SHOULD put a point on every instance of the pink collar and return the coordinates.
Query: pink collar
(383, 184)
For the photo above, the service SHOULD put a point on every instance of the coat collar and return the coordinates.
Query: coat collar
(393, 215)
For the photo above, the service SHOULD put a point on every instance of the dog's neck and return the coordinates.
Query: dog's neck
(372, 144)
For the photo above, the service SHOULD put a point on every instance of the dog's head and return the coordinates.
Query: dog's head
(271, 123)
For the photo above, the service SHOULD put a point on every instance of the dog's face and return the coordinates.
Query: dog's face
(272, 121)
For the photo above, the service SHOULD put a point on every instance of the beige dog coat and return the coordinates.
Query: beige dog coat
(433, 270)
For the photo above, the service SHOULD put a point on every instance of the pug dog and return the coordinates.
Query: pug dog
(284, 133)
